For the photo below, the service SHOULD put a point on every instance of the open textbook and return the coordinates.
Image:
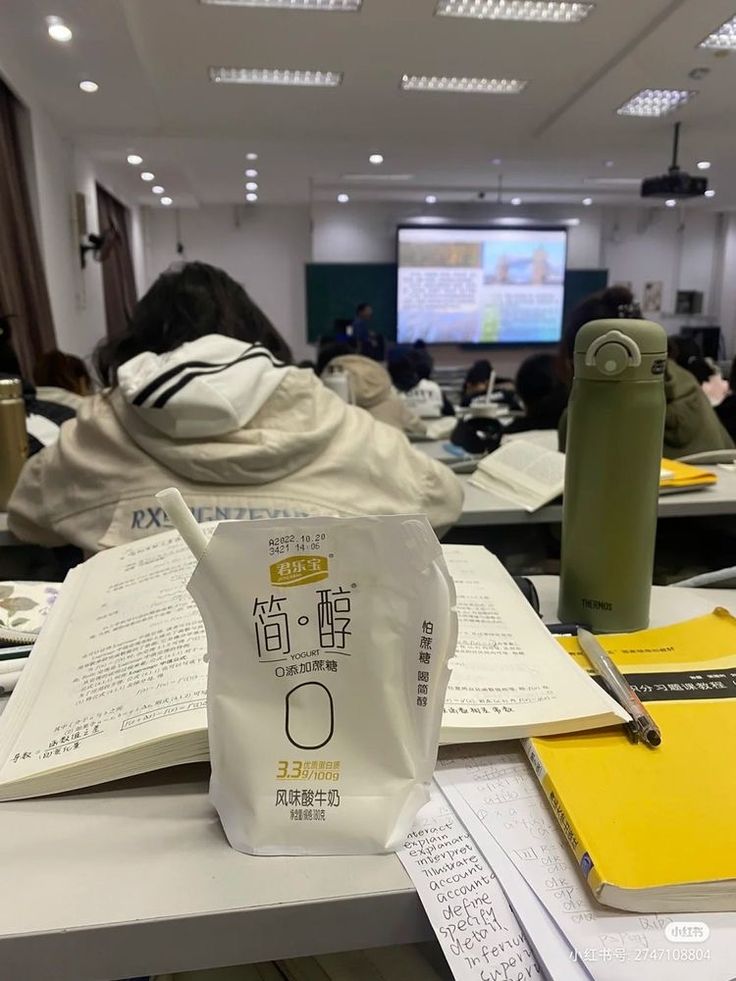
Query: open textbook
(530, 473)
(116, 684)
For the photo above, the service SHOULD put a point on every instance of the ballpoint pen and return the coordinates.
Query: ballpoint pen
(642, 725)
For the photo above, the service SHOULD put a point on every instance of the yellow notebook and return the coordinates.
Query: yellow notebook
(654, 830)
(678, 476)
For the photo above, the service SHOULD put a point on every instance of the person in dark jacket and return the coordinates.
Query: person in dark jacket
(726, 411)
(542, 392)
(691, 425)
(43, 419)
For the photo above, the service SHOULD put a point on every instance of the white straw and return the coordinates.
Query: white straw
(183, 520)
(13, 664)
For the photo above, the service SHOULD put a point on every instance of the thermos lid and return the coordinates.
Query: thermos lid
(616, 349)
(10, 388)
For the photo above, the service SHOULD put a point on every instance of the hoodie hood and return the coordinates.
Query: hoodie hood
(219, 411)
(209, 387)
(370, 383)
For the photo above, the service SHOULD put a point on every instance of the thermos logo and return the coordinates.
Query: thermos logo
(594, 604)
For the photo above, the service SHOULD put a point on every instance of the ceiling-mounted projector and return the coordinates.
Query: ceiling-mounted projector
(675, 183)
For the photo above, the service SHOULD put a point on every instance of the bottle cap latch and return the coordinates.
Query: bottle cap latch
(613, 353)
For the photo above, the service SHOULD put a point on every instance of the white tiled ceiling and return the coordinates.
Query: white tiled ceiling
(151, 60)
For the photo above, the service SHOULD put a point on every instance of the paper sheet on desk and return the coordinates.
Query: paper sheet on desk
(496, 795)
(479, 935)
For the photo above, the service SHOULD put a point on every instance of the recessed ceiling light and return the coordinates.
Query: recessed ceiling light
(454, 83)
(276, 76)
(710, 193)
(135, 159)
(587, 202)
(251, 156)
(609, 163)
(496, 161)
(148, 176)
(555, 11)
(516, 202)
(723, 38)
(670, 202)
(251, 172)
(376, 158)
(703, 165)
(157, 189)
(333, 6)
(87, 85)
(251, 197)
(58, 31)
(655, 102)
(251, 186)
(343, 198)
(431, 199)
(166, 201)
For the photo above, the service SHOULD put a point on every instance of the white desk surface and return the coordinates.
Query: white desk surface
(484, 508)
(136, 877)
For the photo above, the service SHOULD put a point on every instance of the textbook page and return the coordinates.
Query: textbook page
(479, 934)
(119, 662)
(510, 677)
(523, 471)
(497, 787)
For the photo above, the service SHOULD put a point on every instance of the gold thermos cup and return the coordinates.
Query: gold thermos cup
(13, 438)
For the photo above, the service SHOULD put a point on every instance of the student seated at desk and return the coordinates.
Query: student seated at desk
(370, 387)
(542, 393)
(691, 425)
(202, 396)
(477, 381)
(62, 379)
(410, 369)
(43, 418)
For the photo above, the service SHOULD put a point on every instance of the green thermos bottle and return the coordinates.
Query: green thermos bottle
(615, 428)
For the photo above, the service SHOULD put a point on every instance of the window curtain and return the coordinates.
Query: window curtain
(117, 267)
(24, 297)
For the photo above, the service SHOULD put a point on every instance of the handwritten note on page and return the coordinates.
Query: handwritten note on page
(479, 935)
(497, 787)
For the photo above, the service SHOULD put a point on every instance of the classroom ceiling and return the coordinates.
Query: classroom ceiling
(151, 59)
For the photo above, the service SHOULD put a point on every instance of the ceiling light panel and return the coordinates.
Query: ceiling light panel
(276, 76)
(546, 11)
(655, 102)
(331, 6)
(722, 39)
(445, 83)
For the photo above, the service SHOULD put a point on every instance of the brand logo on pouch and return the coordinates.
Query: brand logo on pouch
(299, 570)
(594, 604)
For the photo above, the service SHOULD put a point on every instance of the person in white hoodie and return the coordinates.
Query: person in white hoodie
(201, 395)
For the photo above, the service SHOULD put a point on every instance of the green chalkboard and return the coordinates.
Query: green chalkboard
(335, 288)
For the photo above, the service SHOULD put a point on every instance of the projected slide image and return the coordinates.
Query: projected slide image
(480, 285)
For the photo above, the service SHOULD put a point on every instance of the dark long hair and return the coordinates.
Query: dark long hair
(613, 302)
(185, 303)
(62, 371)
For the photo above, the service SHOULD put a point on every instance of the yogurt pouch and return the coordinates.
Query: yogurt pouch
(328, 642)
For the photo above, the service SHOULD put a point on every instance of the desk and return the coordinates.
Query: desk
(136, 877)
(482, 508)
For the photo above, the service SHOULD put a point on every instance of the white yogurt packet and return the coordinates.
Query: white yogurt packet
(328, 641)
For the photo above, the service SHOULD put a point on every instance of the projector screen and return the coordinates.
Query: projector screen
(480, 285)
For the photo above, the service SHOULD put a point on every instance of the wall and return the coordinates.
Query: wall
(264, 248)
(367, 232)
(56, 169)
(680, 247)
